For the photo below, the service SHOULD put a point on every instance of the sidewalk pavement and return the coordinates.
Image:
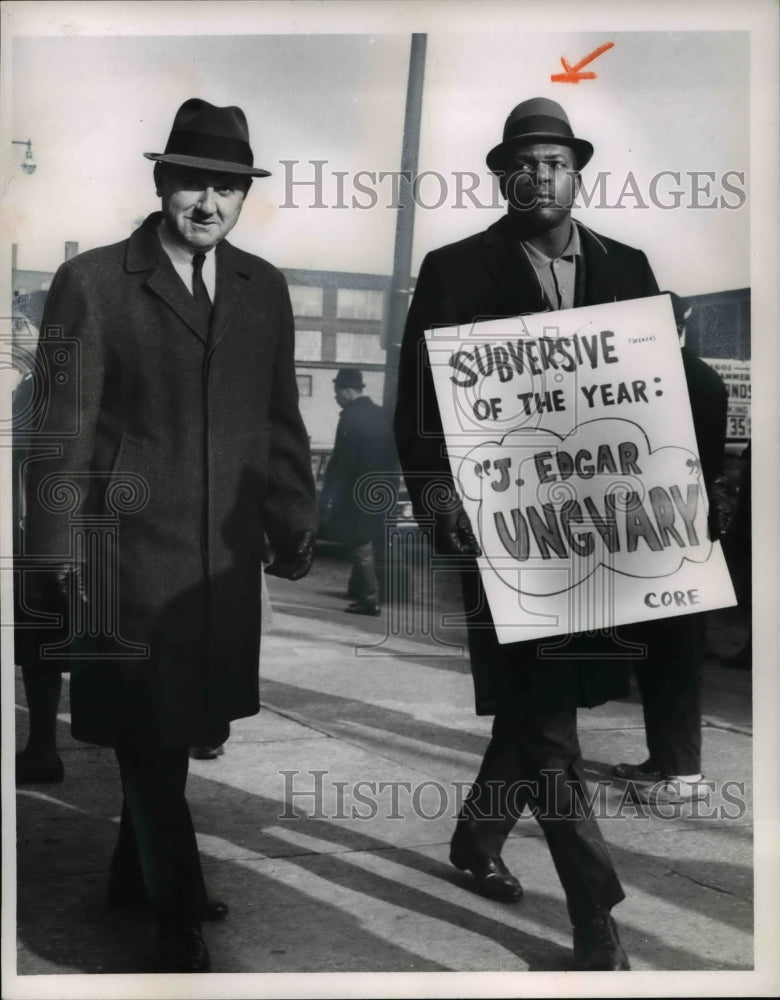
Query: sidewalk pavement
(326, 824)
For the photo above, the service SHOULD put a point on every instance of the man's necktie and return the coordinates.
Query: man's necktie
(199, 290)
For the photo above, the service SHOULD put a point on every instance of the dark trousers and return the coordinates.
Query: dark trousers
(363, 581)
(366, 581)
(670, 685)
(536, 761)
(156, 845)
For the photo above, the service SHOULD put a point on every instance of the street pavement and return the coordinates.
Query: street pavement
(326, 823)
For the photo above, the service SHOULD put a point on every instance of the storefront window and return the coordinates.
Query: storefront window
(308, 345)
(353, 303)
(306, 300)
(363, 347)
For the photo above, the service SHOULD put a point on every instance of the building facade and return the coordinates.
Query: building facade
(341, 319)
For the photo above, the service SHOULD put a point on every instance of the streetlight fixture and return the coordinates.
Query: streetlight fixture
(28, 164)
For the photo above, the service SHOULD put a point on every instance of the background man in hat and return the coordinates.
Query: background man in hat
(364, 445)
(533, 259)
(177, 419)
(671, 687)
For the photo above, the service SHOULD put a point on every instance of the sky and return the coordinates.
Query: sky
(661, 102)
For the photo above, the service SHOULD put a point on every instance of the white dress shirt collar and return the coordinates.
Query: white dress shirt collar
(181, 258)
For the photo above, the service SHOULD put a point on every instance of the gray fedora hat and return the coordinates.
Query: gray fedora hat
(538, 120)
(210, 138)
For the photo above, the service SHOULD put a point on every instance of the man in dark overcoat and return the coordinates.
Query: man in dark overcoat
(671, 687)
(177, 447)
(533, 259)
(364, 458)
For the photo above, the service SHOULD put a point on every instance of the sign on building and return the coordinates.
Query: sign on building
(571, 442)
(736, 375)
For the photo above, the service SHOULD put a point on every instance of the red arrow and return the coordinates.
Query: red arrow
(573, 74)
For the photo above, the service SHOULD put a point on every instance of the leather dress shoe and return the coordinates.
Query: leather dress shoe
(597, 947)
(182, 949)
(364, 608)
(32, 769)
(121, 898)
(491, 875)
(646, 771)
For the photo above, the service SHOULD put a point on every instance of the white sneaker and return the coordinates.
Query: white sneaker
(675, 791)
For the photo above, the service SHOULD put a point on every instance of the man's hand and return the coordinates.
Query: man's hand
(453, 534)
(293, 561)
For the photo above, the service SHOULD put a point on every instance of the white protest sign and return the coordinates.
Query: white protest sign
(572, 445)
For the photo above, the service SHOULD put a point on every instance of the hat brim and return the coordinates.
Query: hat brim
(218, 166)
(583, 150)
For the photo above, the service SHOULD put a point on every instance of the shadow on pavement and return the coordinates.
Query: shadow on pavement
(66, 835)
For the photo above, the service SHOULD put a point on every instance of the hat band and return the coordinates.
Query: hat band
(537, 123)
(210, 147)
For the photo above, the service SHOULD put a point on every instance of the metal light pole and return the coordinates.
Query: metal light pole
(398, 298)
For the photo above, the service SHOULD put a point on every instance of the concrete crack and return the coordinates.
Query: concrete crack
(298, 719)
(704, 885)
(740, 730)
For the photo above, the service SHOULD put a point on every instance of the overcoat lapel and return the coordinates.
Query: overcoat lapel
(599, 278)
(167, 284)
(512, 271)
(144, 253)
(232, 285)
(596, 280)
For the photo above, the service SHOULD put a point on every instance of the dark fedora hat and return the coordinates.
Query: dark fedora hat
(210, 138)
(538, 120)
(349, 378)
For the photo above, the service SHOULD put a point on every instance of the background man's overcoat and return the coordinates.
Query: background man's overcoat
(364, 446)
(203, 427)
(484, 277)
